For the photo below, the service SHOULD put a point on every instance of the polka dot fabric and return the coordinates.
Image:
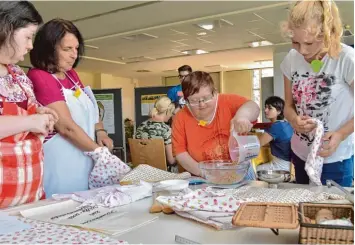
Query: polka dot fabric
(46, 233)
(204, 199)
(150, 174)
(291, 196)
(108, 168)
(314, 163)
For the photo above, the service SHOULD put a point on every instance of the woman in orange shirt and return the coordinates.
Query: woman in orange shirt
(201, 130)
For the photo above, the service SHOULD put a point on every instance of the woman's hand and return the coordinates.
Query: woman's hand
(46, 110)
(333, 139)
(53, 116)
(303, 124)
(103, 140)
(241, 125)
(40, 124)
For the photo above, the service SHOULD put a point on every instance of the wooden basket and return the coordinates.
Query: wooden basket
(267, 215)
(325, 234)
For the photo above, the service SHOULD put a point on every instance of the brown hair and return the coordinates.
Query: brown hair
(196, 80)
(44, 55)
(323, 20)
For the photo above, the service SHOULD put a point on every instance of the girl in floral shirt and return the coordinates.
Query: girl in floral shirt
(319, 83)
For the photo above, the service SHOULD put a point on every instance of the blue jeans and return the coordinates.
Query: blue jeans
(341, 172)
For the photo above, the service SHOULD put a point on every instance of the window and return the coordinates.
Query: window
(257, 75)
(256, 89)
(267, 72)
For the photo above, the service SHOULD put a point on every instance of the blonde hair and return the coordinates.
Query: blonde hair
(162, 105)
(322, 19)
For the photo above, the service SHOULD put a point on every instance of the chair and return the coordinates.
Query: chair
(148, 151)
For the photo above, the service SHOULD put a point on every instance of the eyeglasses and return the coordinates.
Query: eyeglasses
(182, 76)
(196, 102)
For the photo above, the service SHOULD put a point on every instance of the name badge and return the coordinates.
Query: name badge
(77, 93)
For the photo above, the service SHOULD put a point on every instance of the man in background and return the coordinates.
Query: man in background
(175, 93)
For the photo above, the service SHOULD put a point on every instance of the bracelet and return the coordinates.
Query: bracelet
(101, 129)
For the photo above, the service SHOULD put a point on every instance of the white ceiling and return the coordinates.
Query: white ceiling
(172, 24)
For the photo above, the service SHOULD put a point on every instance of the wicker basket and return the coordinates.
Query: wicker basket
(325, 234)
(267, 215)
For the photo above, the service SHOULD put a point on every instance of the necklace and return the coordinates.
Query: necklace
(204, 122)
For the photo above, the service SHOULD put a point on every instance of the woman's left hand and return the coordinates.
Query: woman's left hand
(53, 116)
(334, 139)
(46, 110)
(241, 125)
(103, 140)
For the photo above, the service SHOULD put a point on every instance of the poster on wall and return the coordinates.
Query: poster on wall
(148, 101)
(105, 102)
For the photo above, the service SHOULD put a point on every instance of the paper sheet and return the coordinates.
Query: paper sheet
(105, 220)
(10, 224)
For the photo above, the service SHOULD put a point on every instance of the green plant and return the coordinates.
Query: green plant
(129, 129)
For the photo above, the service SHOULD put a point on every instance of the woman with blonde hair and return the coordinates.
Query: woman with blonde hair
(319, 83)
(156, 127)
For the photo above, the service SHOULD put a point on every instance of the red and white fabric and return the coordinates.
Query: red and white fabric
(47, 233)
(21, 156)
(314, 163)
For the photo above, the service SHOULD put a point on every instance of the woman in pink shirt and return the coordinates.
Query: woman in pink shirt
(58, 47)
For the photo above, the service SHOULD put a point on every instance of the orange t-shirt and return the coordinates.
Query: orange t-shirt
(208, 142)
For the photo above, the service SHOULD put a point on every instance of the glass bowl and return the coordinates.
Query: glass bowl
(274, 177)
(223, 172)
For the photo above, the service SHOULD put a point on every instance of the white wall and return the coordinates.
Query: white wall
(127, 85)
(278, 76)
(151, 81)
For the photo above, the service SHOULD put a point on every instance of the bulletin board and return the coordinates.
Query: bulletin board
(110, 110)
(144, 99)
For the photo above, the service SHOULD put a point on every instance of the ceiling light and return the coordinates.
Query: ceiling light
(201, 33)
(200, 51)
(206, 26)
(194, 51)
(260, 44)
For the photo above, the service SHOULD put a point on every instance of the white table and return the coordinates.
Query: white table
(164, 229)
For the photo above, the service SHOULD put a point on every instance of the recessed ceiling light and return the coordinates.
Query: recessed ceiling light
(194, 51)
(206, 26)
(260, 44)
(201, 33)
(200, 51)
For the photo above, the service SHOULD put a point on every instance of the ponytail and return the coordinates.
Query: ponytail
(153, 112)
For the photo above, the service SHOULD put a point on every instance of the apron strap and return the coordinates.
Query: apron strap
(70, 79)
(56, 78)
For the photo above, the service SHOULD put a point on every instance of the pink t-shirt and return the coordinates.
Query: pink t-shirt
(47, 89)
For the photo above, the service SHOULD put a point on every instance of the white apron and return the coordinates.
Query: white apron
(66, 167)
